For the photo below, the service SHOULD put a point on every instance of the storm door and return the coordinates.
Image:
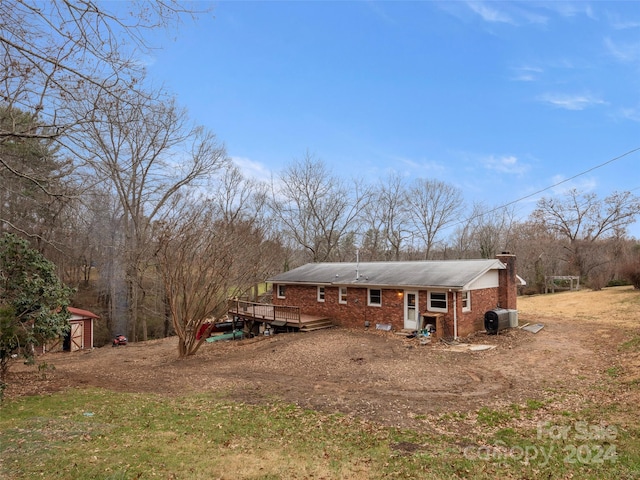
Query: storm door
(410, 310)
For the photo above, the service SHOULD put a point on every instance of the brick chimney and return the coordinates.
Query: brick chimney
(508, 289)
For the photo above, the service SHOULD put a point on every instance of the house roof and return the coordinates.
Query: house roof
(456, 274)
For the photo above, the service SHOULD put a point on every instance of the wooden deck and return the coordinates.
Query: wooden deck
(277, 315)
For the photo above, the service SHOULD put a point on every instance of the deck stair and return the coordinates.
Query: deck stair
(318, 324)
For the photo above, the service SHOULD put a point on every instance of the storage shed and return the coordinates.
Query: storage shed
(80, 336)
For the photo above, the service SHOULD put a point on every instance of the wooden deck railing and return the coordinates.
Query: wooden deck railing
(265, 311)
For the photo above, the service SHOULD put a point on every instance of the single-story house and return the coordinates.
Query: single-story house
(452, 295)
(80, 336)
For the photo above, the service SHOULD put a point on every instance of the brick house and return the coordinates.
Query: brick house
(452, 295)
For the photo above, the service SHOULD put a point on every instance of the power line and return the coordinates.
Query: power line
(552, 186)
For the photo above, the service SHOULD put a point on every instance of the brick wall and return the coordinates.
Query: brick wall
(356, 312)
(509, 292)
(481, 302)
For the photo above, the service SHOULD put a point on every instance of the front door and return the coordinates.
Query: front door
(410, 310)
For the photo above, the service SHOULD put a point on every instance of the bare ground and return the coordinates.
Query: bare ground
(382, 376)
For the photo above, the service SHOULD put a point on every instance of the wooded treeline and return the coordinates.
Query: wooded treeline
(144, 213)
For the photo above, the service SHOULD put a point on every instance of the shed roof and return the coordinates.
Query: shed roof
(81, 313)
(444, 274)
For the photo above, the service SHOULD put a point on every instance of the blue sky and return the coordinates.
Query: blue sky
(501, 99)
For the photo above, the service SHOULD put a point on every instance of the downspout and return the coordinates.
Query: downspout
(455, 315)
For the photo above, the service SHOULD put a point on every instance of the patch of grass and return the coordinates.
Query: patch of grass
(614, 372)
(633, 383)
(631, 345)
(493, 418)
(453, 416)
(534, 404)
(506, 435)
(87, 434)
(618, 283)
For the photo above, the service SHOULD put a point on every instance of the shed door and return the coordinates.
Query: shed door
(77, 336)
(410, 310)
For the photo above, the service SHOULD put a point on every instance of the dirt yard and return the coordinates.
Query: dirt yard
(380, 375)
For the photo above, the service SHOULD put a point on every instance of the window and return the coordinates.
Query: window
(342, 295)
(466, 301)
(375, 297)
(437, 302)
(281, 291)
(320, 293)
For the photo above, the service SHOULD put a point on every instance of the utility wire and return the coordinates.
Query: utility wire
(551, 186)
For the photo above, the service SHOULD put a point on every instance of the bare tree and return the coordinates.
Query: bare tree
(539, 253)
(52, 51)
(315, 208)
(386, 219)
(192, 258)
(51, 54)
(147, 152)
(583, 219)
(462, 241)
(484, 233)
(492, 229)
(236, 197)
(204, 260)
(582, 216)
(241, 203)
(433, 205)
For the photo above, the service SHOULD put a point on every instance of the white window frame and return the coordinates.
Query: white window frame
(321, 293)
(369, 297)
(465, 297)
(430, 299)
(342, 295)
(282, 291)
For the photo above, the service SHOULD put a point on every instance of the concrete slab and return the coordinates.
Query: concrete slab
(535, 328)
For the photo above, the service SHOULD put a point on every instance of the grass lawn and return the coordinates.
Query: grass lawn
(94, 433)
